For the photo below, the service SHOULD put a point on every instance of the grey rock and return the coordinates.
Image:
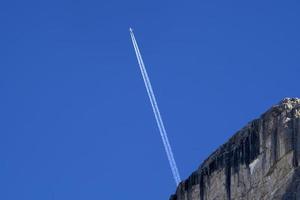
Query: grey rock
(260, 162)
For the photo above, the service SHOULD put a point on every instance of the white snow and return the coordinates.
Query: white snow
(253, 164)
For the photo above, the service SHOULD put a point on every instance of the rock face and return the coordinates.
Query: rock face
(260, 162)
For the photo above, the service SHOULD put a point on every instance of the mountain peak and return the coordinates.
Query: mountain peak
(260, 161)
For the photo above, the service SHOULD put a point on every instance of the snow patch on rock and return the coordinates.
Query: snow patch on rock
(253, 164)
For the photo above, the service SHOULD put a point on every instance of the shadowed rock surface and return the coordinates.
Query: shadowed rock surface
(261, 161)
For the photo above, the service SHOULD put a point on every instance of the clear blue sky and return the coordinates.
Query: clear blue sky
(75, 119)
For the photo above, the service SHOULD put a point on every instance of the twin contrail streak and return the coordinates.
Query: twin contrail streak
(156, 112)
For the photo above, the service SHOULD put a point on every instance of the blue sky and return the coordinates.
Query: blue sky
(76, 122)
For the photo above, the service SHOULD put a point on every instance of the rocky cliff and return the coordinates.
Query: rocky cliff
(260, 162)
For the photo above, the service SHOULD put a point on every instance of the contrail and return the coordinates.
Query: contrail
(156, 112)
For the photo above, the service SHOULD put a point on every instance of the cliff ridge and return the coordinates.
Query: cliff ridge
(261, 161)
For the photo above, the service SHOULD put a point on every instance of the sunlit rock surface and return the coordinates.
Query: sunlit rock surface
(260, 162)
